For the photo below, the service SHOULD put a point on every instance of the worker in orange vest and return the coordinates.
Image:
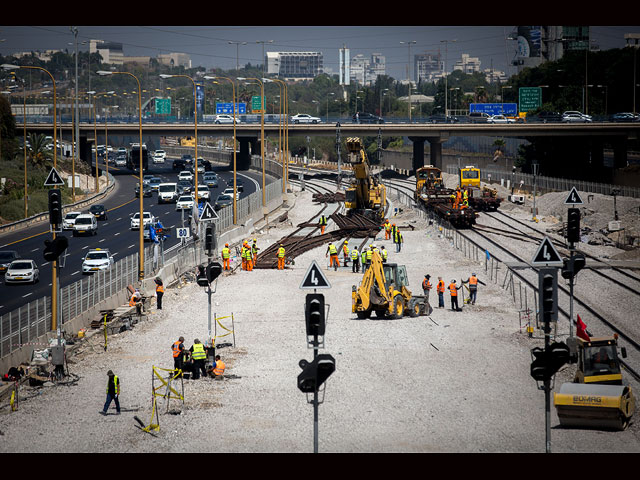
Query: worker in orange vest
(218, 368)
(178, 353)
(159, 293)
(473, 288)
(440, 290)
(426, 286)
(243, 255)
(453, 290)
(136, 301)
(249, 257)
(345, 252)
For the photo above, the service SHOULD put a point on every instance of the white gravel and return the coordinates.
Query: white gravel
(450, 382)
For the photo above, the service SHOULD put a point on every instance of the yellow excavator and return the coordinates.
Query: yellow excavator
(366, 195)
(383, 290)
(597, 397)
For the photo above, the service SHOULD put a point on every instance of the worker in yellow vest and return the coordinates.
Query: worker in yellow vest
(345, 253)
(281, 257)
(243, 255)
(226, 255)
(254, 252)
(322, 223)
(355, 260)
(387, 229)
(332, 252)
(248, 258)
(113, 392)
(198, 354)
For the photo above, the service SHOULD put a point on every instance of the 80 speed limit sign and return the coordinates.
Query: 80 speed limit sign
(182, 232)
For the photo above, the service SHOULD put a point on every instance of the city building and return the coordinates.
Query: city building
(344, 66)
(428, 67)
(364, 70)
(538, 44)
(174, 60)
(111, 52)
(467, 64)
(294, 65)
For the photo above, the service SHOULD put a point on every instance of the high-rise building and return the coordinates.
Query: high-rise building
(467, 64)
(111, 52)
(538, 44)
(365, 70)
(428, 67)
(345, 66)
(294, 65)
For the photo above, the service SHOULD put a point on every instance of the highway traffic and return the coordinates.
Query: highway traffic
(114, 232)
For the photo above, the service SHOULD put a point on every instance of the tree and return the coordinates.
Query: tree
(37, 150)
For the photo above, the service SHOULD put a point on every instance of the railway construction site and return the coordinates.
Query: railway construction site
(450, 381)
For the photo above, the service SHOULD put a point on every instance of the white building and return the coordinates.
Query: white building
(111, 52)
(295, 65)
(467, 64)
(365, 71)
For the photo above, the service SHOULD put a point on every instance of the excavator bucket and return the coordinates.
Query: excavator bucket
(608, 407)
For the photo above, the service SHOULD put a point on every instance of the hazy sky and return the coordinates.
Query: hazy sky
(209, 45)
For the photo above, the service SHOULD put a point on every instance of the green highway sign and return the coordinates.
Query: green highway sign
(163, 106)
(529, 98)
(256, 105)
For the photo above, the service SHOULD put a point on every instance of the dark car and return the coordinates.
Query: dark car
(548, 117)
(179, 164)
(223, 200)
(440, 118)
(184, 186)
(146, 190)
(99, 211)
(478, 117)
(367, 118)
(6, 257)
(207, 165)
(625, 117)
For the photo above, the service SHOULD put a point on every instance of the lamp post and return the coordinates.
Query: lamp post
(141, 229)
(195, 116)
(263, 59)
(409, 43)
(444, 71)
(95, 134)
(233, 90)
(237, 44)
(264, 202)
(285, 124)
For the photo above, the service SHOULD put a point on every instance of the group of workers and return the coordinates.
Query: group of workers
(248, 254)
(194, 360)
(460, 199)
(453, 290)
(392, 232)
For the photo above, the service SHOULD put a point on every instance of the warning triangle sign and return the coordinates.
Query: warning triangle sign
(53, 179)
(208, 213)
(573, 198)
(314, 278)
(547, 254)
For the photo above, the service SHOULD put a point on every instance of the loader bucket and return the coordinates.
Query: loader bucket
(607, 407)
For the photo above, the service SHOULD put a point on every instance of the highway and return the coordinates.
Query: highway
(114, 233)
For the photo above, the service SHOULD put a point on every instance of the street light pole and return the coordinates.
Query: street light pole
(444, 71)
(264, 203)
(409, 72)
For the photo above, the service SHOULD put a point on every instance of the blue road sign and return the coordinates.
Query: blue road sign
(510, 109)
(227, 108)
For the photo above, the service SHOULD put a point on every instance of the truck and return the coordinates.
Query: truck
(384, 291)
(133, 161)
(598, 397)
(366, 194)
(480, 198)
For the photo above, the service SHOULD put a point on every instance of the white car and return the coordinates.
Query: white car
(167, 192)
(184, 202)
(203, 192)
(22, 271)
(229, 191)
(147, 219)
(304, 118)
(69, 219)
(500, 119)
(96, 260)
(225, 119)
(85, 223)
(158, 157)
(185, 175)
(575, 117)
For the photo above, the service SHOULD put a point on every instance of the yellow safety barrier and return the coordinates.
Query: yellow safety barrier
(168, 393)
(229, 332)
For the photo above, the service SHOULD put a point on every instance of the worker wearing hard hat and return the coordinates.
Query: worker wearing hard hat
(345, 252)
(281, 257)
(332, 253)
(248, 257)
(243, 255)
(453, 290)
(226, 255)
(254, 252)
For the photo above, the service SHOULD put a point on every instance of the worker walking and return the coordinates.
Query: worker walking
(355, 260)
(453, 290)
(281, 257)
(473, 288)
(226, 255)
(440, 290)
(322, 223)
(332, 253)
(345, 253)
(177, 350)
(159, 292)
(198, 354)
(113, 391)
(397, 239)
(426, 286)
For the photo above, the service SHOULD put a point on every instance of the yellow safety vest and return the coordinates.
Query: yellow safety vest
(333, 250)
(384, 254)
(281, 252)
(369, 254)
(198, 352)
(225, 253)
(354, 254)
(116, 385)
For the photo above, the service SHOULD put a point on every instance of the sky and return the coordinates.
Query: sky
(209, 46)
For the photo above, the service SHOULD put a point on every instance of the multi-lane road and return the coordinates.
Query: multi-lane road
(114, 233)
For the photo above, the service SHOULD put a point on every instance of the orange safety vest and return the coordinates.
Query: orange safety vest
(473, 280)
(426, 285)
(176, 348)
(219, 368)
(132, 300)
(441, 286)
(160, 289)
(453, 290)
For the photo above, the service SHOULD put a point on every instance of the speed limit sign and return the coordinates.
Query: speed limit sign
(182, 232)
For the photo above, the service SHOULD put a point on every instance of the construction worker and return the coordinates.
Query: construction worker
(322, 223)
(281, 257)
(226, 255)
(363, 259)
(387, 229)
(453, 290)
(159, 292)
(254, 253)
(243, 255)
(332, 253)
(178, 354)
(198, 354)
(113, 390)
(426, 286)
(345, 252)
(136, 301)
(249, 258)
(473, 288)
(383, 253)
(440, 290)
(393, 230)
(397, 239)
(218, 368)
(355, 260)
(369, 255)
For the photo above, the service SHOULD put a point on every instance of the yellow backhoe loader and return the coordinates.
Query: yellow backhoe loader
(383, 290)
(366, 195)
(598, 397)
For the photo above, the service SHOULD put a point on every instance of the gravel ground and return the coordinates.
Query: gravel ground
(448, 382)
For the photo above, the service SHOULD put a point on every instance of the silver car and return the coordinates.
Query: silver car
(575, 117)
(22, 271)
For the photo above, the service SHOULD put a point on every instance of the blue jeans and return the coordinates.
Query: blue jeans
(441, 299)
(472, 295)
(111, 397)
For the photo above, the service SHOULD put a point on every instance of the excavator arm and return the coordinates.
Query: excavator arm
(372, 289)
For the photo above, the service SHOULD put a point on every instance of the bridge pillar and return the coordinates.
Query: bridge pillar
(619, 152)
(417, 160)
(435, 145)
(243, 157)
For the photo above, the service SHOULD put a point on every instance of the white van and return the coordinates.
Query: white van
(85, 224)
(167, 192)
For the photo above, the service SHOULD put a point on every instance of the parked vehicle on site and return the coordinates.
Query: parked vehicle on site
(97, 259)
(22, 271)
(85, 224)
(6, 257)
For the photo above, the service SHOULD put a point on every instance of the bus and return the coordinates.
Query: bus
(133, 160)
